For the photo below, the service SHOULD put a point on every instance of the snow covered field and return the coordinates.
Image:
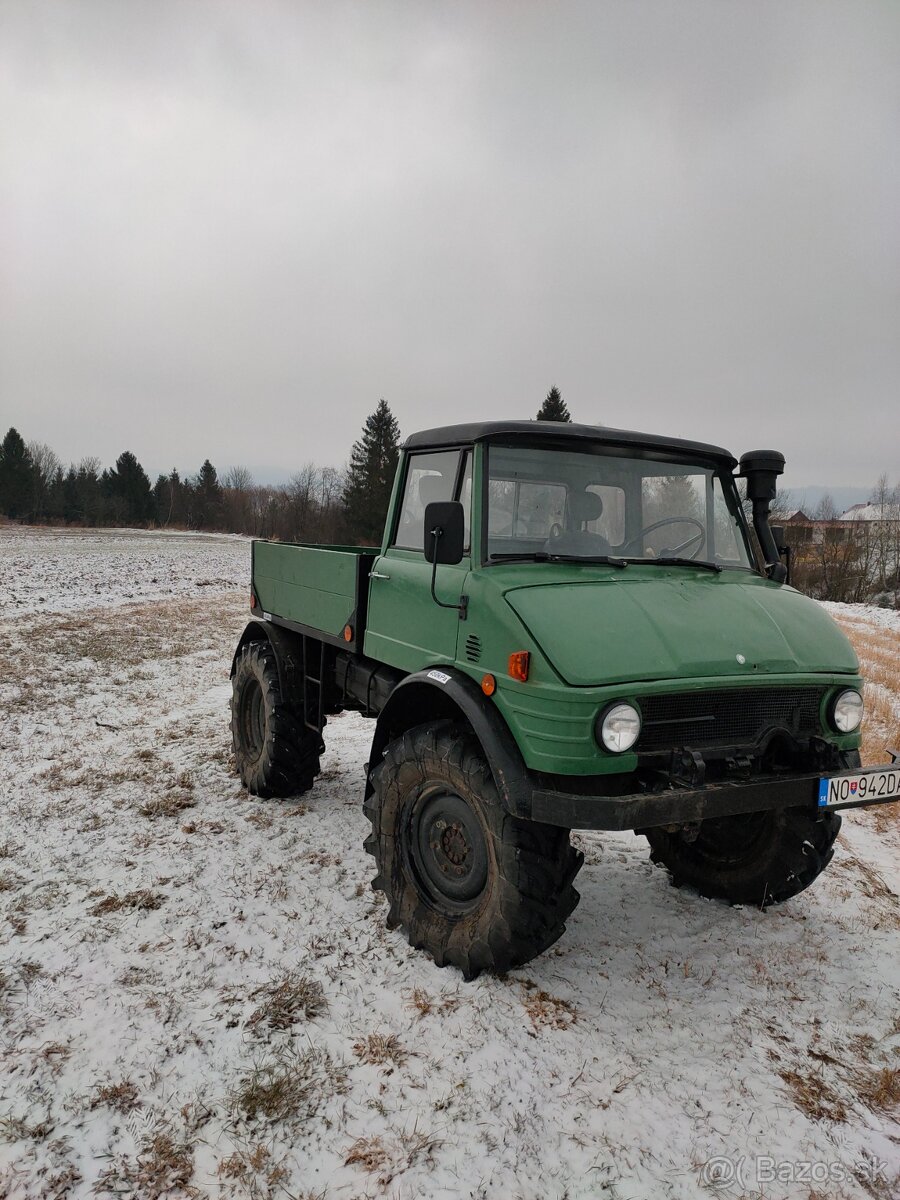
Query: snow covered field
(198, 996)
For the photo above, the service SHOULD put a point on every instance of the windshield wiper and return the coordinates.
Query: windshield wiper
(606, 560)
(543, 556)
(674, 561)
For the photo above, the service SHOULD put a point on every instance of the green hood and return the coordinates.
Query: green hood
(681, 624)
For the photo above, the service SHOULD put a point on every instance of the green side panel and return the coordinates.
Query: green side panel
(691, 625)
(307, 584)
(405, 627)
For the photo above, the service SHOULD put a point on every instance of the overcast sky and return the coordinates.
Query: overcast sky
(228, 229)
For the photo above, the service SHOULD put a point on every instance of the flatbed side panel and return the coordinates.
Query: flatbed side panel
(311, 586)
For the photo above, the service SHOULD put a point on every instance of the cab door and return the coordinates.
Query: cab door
(404, 626)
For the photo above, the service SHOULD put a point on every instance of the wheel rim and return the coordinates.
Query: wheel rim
(447, 850)
(252, 719)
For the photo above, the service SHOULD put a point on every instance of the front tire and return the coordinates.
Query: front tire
(275, 754)
(471, 885)
(757, 858)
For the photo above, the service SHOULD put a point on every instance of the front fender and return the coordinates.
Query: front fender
(445, 693)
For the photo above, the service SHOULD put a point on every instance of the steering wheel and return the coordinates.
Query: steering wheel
(698, 537)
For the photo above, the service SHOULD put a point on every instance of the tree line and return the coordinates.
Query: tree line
(321, 504)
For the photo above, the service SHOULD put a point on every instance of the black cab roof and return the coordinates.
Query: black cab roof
(563, 431)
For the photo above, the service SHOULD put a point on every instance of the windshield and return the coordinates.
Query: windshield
(564, 502)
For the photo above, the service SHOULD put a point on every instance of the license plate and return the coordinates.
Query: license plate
(867, 787)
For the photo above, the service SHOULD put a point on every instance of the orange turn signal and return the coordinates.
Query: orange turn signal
(253, 600)
(348, 633)
(488, 685)
(519, 662)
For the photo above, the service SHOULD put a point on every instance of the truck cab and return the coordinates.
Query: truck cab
(588, 623)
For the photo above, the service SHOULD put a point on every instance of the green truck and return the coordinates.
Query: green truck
(565, 627)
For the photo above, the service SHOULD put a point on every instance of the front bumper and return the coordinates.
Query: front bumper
(686, 805)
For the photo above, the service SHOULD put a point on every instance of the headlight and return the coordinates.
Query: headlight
(619, 727)
(847, 711)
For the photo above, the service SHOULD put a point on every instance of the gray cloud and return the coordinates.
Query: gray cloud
(228, 229)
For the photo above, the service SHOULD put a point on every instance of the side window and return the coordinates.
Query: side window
(429, 477)
(465, 496)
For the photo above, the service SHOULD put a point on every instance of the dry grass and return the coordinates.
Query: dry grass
(291, 1086)
(142, 900)
(29, 972)
(169, 804)
(548, 1012)
(879, 661)
(55, 1054)
(162, 1168)
(880, 1091)
(368, 1153)
(813, 1096)
(420, 1002)
(283, 1004)
(121, 1096)
(387, 1161)
(380, 1048)
(254, 1169)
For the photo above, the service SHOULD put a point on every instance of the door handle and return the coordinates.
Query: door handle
(377, 575)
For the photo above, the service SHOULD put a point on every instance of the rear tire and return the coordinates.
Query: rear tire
(756, 858)
(472, 886)
(276, 755)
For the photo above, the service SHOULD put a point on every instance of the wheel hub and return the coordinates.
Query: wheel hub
(452, 844)
(448, 850)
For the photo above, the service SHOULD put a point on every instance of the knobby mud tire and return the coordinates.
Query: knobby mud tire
(528, 868)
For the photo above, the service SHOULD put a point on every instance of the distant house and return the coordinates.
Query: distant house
(870, 511)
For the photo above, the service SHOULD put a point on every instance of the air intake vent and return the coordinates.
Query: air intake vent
(473, 648)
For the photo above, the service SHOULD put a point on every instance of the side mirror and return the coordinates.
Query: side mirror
(445, 532)
(784, 550)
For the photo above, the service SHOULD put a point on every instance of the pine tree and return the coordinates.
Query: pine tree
(16, 476)
(207, 507)
(373, 464)
(128, 490)
(554, 407)
(89, 499)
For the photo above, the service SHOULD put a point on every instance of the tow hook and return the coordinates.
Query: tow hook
(687, 768)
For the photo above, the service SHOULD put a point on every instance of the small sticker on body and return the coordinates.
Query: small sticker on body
(439, 676)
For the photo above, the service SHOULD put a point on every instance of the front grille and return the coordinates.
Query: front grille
(737, 717)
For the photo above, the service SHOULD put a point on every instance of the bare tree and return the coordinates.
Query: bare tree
(45, 465)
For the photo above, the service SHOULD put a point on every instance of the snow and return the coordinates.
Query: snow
(867, 614)
(662, 1030)
(83, 568)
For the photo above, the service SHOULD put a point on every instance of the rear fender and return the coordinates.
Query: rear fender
(447, 694)
(288, 647)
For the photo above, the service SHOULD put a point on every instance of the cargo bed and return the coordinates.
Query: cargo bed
(317, 590)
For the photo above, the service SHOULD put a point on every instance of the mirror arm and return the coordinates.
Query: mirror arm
(463, 606)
